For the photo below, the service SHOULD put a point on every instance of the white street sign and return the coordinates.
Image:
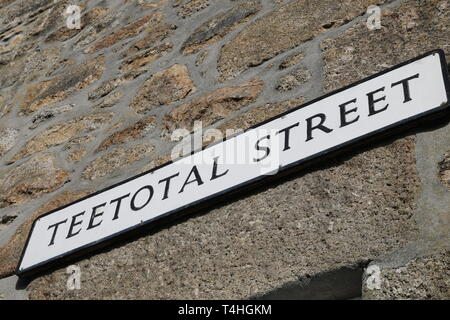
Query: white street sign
(390, 99)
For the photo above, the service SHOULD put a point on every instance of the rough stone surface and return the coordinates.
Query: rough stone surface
(291, 61)
(201, 57)
(191, 7)
(76, 155)
(279, 2)
(213, 106)
(97, 30)
(76, 147)
(145, 56)
(155, 34)
(105, 88)
(38, 63)
(63, 132)
(242, 248)
(26, 19)
(27, 68)
(117, 159)
(151, 4)
(57, 89)
(285, 28)
(29, 180)
(108, 86)
(218, 26)
(8, 138)
(4, 3)
(423, 278)
(132, 133)
(110, 100)
(49, 113)
(164, 87)
(255, 116)
(153, 66)
(408, 30)
(293, 80)
(156, 163)
(130, 30)
(11, 72)
(10, 253)
(411, 29)
(64, 33)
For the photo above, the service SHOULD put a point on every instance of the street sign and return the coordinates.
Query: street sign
(393, 99)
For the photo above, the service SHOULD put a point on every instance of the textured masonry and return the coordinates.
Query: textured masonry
(82, 109)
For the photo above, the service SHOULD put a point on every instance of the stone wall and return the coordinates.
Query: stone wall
(83, 109)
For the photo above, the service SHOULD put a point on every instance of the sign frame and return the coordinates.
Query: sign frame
(219, 197)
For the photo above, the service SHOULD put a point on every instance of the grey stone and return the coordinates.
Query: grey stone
(49, 113)
(8, 138)
(252, 244)
(293, 79)
(422, 278)
(285, 28)
(219, 25)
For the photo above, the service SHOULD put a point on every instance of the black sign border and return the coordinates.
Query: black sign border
(221, 195)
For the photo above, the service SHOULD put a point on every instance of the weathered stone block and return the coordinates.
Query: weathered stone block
(164, 87)
(49, 113)
(8, 138)
(285, 28)
(191, 7)
(291, 61)
(110, 100)
(407, 31)
(212, 106)
(218, 26)
(252, 244)
(422, 278)
(259, 114)
(57, 89)
(117, 159)
(129, 31)
(132, 133)
(293, 80)
(64, 33)
(63, 132)
(145, 56)
(152, 3)
(29, 180)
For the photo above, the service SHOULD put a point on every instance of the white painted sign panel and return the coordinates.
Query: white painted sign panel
(397, 96)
